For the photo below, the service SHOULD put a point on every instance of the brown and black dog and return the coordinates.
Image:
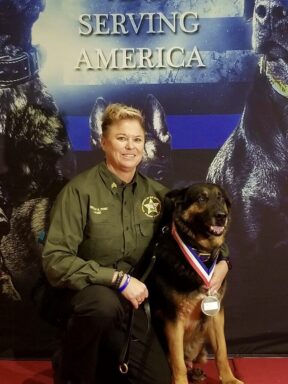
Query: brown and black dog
(200, 216)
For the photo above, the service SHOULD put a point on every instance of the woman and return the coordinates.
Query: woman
(101, 224)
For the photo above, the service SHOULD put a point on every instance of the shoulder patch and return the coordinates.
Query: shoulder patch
(151, 206)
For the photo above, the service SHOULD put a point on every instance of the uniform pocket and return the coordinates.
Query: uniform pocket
(147, 228)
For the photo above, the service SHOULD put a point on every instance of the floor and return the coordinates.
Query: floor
(251, 370)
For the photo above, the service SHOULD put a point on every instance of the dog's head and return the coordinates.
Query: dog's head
(201, 212)
(16, 20)
(270, 35)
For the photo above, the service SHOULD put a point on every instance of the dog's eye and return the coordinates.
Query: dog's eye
(202, 199)
(220, 197)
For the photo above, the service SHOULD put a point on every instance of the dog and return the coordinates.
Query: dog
(252, 167)
(200, 219)
(33, 143)
(252, 163)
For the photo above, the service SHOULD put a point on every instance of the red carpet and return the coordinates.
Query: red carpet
(25, 372)
(250, 370)
(262, 371)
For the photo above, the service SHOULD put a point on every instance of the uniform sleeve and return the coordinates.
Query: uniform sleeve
(61, 265)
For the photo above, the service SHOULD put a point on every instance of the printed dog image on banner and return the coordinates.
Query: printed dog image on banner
(33, 140)
(252, 166)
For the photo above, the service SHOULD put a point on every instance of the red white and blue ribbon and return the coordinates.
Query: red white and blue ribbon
(193, 258)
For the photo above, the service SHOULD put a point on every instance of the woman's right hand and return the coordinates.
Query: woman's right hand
(136, 291)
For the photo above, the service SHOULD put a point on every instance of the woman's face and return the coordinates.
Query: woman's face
(123, 144)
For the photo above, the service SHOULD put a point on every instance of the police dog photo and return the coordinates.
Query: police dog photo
(252, 167)
(33, 141)
(252, 163)
(186, 253)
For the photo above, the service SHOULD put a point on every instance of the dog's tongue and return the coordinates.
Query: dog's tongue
(217, 230)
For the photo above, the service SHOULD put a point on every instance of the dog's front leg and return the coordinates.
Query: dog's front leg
(174, 331)
(218, 343)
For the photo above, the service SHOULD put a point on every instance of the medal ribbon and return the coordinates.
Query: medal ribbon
(193, 259)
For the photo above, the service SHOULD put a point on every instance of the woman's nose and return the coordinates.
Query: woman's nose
(129, 143)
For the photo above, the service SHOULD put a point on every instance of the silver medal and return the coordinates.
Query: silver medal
(210, 305)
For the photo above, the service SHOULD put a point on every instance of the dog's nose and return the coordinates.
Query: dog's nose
(277, 9)
(261, 11)
(279, 12)
(220, 217)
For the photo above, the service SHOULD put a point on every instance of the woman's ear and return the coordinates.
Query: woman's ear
(102, 142)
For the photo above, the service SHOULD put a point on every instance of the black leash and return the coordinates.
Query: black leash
(124, 355)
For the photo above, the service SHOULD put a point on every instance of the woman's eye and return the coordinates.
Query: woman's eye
(138, 140)
(121, 138)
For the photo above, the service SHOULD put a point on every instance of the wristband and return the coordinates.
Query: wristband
(124, 286)
(118, 280)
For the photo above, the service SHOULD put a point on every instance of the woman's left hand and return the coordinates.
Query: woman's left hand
(219, 275)
(136, 292)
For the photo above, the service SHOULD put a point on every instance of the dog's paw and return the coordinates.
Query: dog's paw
(196, 375)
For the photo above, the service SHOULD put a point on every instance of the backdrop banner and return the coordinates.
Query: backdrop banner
(211, 78)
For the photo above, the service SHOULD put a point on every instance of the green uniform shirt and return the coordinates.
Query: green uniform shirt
(99, 224)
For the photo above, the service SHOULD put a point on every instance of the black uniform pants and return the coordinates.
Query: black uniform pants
(94, 336)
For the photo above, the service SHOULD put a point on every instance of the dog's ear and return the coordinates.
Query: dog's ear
(95, 122)
(226, 197)
(175, 197)
(227, 201)
(155, 120)
(157, 159)
(171, 201)
(248, 9)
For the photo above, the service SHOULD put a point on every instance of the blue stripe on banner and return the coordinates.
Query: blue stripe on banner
(78, 132)
(200, 131)
(187, 131)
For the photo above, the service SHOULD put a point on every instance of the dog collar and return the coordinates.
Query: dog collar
(193, 258)
(276, 84)
(205, 256)
(18, 69)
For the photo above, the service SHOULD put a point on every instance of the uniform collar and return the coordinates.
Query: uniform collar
(112, 182)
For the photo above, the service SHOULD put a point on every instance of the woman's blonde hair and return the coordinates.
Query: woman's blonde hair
(117, 112)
